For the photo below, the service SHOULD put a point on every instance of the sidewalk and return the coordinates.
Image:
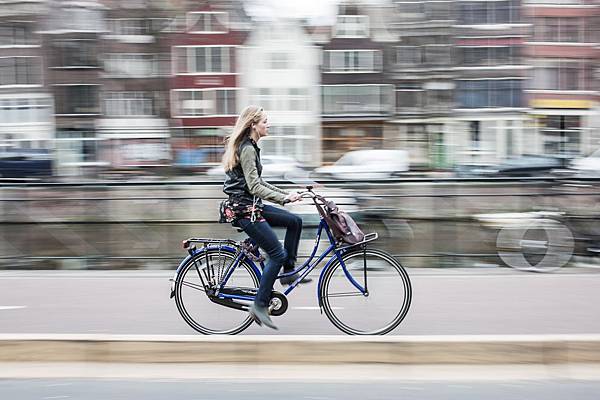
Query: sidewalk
(316, 350)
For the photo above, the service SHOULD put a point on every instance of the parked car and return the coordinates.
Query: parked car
(587, 166)
(25, 163)
(366, 164)
(274, 167)
(526, 165)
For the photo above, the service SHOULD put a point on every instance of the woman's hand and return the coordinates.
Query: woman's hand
(292, 197)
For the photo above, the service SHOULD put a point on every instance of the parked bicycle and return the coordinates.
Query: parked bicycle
(363, 291)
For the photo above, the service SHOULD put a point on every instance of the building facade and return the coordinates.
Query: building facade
(279, 72)
(421, 65)
(205, 85)
(356, 97)
(134, 126)
(491, 120)
(564, 53)
(26, 106)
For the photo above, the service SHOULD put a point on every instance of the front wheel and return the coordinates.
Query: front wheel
(195, 306)
(376, 312)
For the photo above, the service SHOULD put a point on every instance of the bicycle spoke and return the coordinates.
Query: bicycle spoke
(344, 294)
(193, 285)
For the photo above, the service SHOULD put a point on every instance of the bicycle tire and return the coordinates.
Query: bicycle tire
(244, 276)
(389, 268)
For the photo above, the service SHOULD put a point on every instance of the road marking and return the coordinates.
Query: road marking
(55, 397)
(315, 308)
(11, 307)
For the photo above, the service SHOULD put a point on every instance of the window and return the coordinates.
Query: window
(81, 19)
(559, 30)
(279, 61)
(353, 60)
(500, 55)
(77, 99)
(352, 26)
(438, 10)
(562, 75)
(489, 12)
(408, 55)
(133, 65)
(120, 104)
(207, 22)
(299, 100)
(20, 71)
(489, 93)
(17, 34)
(561, 134)
(475, 133)
(75, 53)
(437, 54)
(213, 59)
(26, 110)
(409, 97)
(198, 103)
(129, 26)
(357, 99)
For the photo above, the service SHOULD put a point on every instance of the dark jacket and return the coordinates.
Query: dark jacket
(244, 181)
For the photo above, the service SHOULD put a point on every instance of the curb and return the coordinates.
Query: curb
(463, 349)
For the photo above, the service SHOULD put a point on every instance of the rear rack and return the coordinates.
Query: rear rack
(369, 237)
(207, 241)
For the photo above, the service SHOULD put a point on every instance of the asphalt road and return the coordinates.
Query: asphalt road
(194, 390)
(453, 301)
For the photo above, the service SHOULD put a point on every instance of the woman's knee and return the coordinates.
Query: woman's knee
(279, 255)
(297, 221)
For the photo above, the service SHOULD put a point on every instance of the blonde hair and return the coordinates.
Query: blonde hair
(242, 129)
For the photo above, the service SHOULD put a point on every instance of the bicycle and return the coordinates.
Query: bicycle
(223, 272)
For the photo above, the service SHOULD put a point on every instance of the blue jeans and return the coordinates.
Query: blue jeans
(262, 233)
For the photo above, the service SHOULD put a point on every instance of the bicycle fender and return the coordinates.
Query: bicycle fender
(331, 261)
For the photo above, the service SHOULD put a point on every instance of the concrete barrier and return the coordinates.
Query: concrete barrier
(464, 349)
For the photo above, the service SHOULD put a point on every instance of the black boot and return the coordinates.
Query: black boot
(288, 280)
(261, 315)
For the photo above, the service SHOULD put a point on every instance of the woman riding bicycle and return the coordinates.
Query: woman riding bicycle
(244, 208)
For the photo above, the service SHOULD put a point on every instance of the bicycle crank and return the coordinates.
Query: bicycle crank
(279, 304)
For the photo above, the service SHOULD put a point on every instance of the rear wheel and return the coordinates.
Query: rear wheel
(194, 304)
(386, 302)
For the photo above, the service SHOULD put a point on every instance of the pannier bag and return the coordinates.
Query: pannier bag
(342, 225)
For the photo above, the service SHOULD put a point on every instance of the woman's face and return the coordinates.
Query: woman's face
(262, 127)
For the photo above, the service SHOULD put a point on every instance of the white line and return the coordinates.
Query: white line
(55, 397)
(11, 307)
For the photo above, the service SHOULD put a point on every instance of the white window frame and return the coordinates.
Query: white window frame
(190, 57)
(384, 108)
(153, 59)
(126, 101)
(204, 14)
(176, 107)
(27, 85)
(377, 61)
(32, 101)
(357, 25)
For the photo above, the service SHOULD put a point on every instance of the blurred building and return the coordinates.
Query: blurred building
(26, 106)
(206, 80)
(356, 97)
(422, 68)
(135, 53)
(71, 38)
(279, 72)
(563, 92)
(490, 120)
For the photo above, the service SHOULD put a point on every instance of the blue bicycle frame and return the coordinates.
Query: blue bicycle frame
(307, 266)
